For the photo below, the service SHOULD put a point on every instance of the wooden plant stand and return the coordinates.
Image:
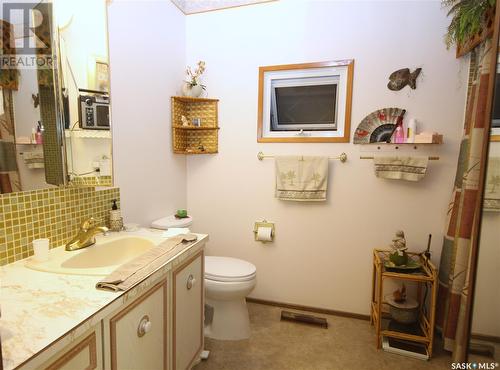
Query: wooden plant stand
(379, 312)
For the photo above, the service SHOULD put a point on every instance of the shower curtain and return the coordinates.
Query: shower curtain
(9, 175)
(455, 262)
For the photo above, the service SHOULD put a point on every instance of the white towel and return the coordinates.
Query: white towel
(1, 101)
(401, 168)
(301, 178)
(492, 186)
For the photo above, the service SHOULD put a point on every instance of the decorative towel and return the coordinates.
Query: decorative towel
(301, 178)
(401, 168)
(127, 275)
(34, 159)
(492, 186)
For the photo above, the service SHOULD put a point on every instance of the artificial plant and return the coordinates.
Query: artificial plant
(469, 18)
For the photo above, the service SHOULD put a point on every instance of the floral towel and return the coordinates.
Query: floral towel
(301, 178)
(401, 168)
(492, 186)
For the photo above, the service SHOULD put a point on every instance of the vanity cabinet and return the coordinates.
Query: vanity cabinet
(188, 312)
(138, 333)
(157, 325)
(84, 353)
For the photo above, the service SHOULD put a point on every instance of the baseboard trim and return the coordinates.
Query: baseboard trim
(486, 338)
(309, 309)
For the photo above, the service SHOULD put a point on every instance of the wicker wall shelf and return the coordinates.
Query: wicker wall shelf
(196, 128)
(191, 139)
(426, 279)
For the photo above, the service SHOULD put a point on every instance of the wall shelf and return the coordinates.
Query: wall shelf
(196, 128)
(88, 134)
(191, 139)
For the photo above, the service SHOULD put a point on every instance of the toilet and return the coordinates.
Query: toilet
(227, 283)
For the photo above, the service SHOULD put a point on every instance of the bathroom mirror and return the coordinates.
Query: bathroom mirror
(54, 114)
(484, 338)
(30, 142)
(83, 75)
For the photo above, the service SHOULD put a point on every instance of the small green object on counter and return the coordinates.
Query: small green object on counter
(181, 213)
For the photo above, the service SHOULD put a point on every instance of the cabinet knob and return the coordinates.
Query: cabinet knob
(190, 282)
(144, 326)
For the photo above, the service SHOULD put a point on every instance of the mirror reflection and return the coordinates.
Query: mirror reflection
(54, 118)
(84, 80)
(30, 149)
(485, 330)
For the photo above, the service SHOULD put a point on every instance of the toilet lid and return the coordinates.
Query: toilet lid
(171, 221)
(228, 269)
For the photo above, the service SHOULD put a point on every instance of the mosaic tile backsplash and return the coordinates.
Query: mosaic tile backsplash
(50, 213)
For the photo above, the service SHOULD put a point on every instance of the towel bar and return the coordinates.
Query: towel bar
(342, 157)
(430, 158)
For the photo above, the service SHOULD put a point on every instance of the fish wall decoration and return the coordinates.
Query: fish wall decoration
(403, 77)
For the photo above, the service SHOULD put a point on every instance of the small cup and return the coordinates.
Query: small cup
(41, 250)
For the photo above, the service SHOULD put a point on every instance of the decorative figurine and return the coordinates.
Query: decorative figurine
(184, 121)
(399, 257)
(399, 295)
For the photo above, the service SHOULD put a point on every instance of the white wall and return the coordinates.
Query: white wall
(147, 58)
(322, 253)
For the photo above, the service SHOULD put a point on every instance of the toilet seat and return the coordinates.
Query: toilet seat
(228, 269)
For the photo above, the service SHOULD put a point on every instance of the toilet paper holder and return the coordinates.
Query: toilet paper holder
(263, 223)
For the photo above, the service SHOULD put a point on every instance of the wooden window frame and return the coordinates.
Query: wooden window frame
(349, 63)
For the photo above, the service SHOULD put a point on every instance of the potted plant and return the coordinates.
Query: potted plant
(192, 86)
(471, 23)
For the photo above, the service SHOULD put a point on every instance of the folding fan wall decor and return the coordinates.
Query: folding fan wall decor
(378, 126)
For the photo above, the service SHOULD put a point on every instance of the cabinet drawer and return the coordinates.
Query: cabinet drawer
(81, 356)
(188, 304)
(138, 333)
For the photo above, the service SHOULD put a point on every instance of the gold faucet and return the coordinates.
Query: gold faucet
(86, 235)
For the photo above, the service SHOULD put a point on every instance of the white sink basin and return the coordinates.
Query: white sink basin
(113, 252)
(101, 259)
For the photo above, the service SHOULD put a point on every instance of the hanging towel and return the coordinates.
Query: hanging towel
(34, 159)
(127, 275)
(401, 168)
(301, 178)
(492, 186)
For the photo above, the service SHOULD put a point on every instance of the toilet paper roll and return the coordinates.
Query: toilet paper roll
(264, 234)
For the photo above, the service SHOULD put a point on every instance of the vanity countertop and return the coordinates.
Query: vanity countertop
(38, 308)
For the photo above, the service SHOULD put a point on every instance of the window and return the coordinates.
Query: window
(305, 102)
(495, 123)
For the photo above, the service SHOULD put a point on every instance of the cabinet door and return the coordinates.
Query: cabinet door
(138, 333)
(84, 355)
(188, 312)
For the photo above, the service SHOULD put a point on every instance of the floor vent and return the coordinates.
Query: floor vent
(304, 319)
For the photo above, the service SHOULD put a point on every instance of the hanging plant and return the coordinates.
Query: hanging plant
(470, 19)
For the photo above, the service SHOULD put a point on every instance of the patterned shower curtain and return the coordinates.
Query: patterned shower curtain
(9, 80)
(455, 262)
(9, 175)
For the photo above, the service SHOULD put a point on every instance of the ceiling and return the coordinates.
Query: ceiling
(200, 6)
